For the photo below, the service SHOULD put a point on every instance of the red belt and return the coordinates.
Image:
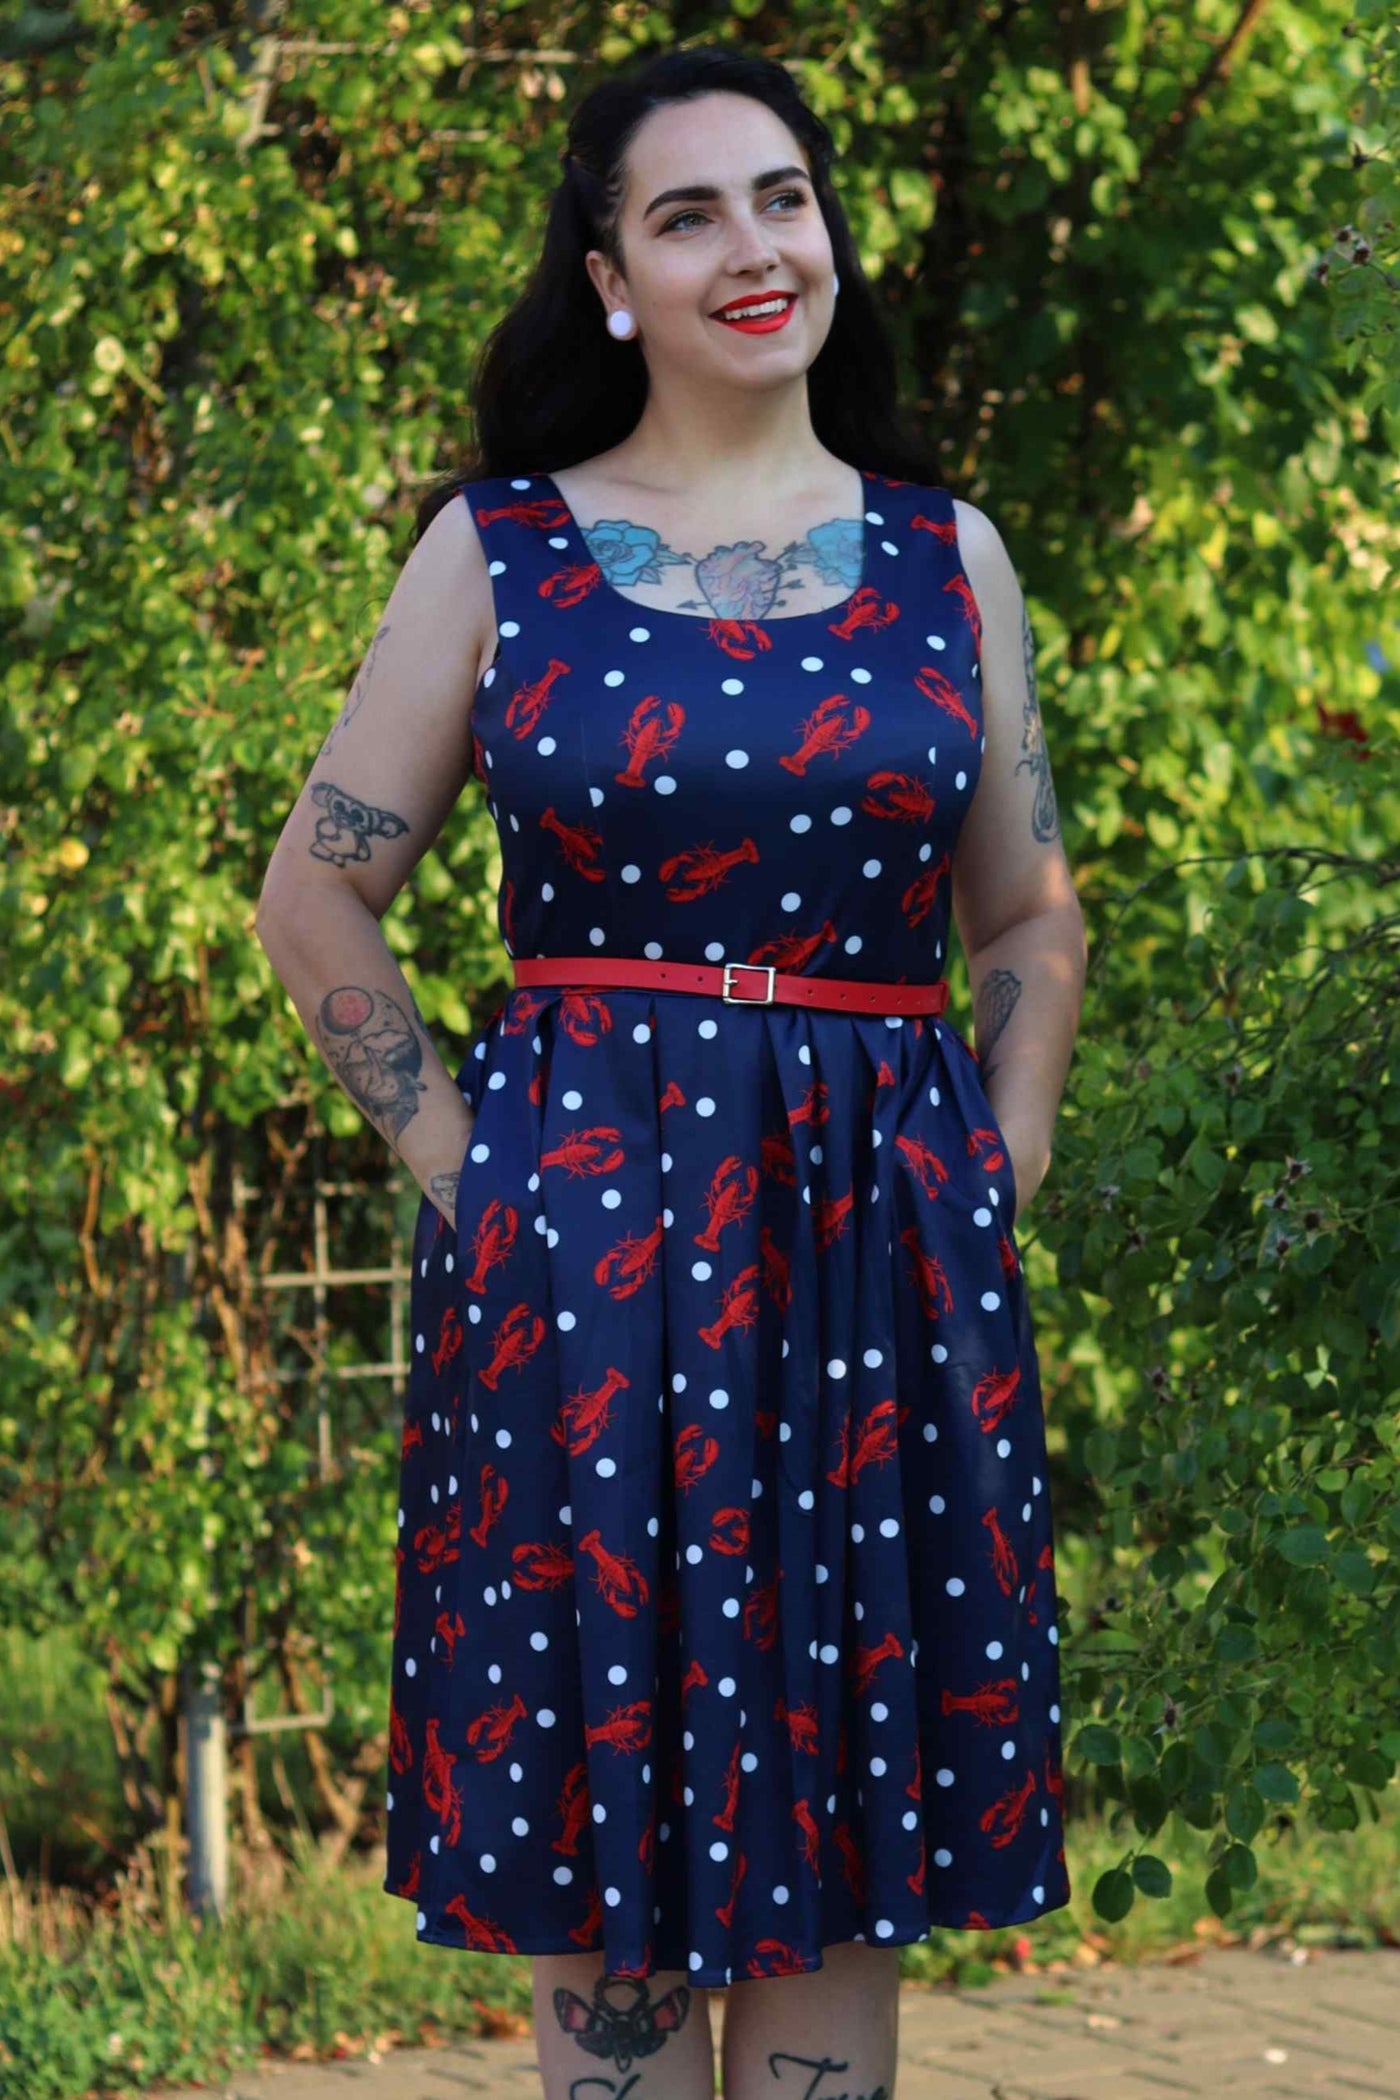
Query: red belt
(854, 994)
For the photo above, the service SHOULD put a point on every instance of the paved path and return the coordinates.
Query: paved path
(1230, 2022)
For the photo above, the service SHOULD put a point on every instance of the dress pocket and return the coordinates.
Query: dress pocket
(986, 1117)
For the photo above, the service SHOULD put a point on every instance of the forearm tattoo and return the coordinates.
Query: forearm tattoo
(357, 691)
(1045, 818)
(343, 833)
(369, 1043)
(995, 1003)
(443, 1190)
(619, 2034)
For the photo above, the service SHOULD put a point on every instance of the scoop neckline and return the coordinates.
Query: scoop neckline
(830, 613)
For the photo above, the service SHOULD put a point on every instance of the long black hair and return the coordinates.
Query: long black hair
(552, 387)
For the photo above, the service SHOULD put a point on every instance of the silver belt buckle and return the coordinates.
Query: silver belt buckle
(742, 999)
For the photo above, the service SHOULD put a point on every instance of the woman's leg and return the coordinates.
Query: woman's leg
(829, 2030)
(651, 2034)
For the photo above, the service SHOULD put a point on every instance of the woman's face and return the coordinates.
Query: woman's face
(687, 256)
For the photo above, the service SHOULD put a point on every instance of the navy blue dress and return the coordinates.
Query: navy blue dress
(725, 1617)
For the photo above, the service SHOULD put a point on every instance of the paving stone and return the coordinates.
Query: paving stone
(1213, 2029)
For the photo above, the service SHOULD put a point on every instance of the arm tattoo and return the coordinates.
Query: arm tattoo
(737, 581)
(1045, 820)
(622, 2034)
(995, 1004)
(344, 832)
(369, 1044)
(357, 691)
(443, 1190)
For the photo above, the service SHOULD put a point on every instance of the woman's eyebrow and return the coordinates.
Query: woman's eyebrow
(706, 193)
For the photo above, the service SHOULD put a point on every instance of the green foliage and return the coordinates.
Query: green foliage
(243, 278)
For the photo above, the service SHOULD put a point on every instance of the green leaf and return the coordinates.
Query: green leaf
(1306, 1546)
(1244, 1811)
(1098, 1745)
(1113, 1895)
(1152, 1875)
(1275, 1782)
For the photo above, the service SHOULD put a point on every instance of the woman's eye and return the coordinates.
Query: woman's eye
(796, 197)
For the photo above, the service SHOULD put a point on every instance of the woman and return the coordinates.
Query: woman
(724, 1642)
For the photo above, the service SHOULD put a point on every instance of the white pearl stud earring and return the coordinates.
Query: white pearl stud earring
(835, 284)
(620, 324)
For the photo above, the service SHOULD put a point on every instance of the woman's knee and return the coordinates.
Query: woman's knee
(837, 2023)
(646, 2036)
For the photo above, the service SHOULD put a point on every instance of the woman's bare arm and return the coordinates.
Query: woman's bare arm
(381, 787)
(1014, 901)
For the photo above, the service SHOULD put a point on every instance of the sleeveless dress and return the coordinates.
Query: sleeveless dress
(725, 1612)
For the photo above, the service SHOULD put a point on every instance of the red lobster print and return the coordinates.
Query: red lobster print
(943, 529)
(440, 1795)
(704, 868)
(493, 1729)
(585, 1934)
(729, 1530)
(620, 1581)
(581, 843)
(412, 1438)
(491, 1500)
(943, 693)
(866, 1660)
(991, 1705)
(632, 1260)
(449, 1627)
(1006, 1255)
(573, 1806)
(584, 1016)
(436, 1547)
(792, 952)
(696, 1678)
(761, 1613)
(922, 894)
(584, 1417)
(829, 1218)
(774, 1958)
(449, 1341)
(723, 1817)
(926, 1167)
(1003, 1554)
(492, 1242)
(400, 1741)
(778, 1161)
(1005, 1816)
(528, 702)
(852, 1860)
(988, 1144)
(581, 1151)
(962, 591)
(878, 1439)
(811, 1836)
(739, 1307)
(993, 1396)
(413, 1879)
(537, 1565)
(723, 1199)
(777, 1268)
(480, 1935)
(812, 1108)
(646, 739)
(514, 1342)
(833, 724)
(693, 1461)
(740, 639)
(866, 614)
(901, 796)
(801, 1723)
(929, 1276)
(724, 1912)
(626, 1728)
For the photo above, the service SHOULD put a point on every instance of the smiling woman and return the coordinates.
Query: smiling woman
(725, 1636)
